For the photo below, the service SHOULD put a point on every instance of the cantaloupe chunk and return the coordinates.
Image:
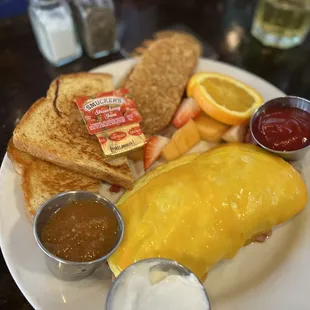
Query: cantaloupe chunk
(170, 151)
(182, 141)
(210, 129)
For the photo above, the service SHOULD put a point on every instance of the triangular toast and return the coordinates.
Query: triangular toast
(42, 180)
(53, 130)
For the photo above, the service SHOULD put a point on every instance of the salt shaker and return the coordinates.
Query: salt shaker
(96, 25)
(53, 26)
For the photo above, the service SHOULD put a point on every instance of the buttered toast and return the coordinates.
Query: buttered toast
(20, 160)
(53, 130)
(42, 180)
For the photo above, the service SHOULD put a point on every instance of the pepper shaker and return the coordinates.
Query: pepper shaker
(53, 27)
(96, 24)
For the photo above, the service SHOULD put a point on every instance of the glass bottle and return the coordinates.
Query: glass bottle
(53, 26)
(96, 25)
(281, 23)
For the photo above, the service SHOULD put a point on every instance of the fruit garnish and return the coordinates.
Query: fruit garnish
(210, 129)
(224, 98)
(152, 149)
(170, 151)
(192, 82)
(182, 141)
(188, 109)
(235, 133)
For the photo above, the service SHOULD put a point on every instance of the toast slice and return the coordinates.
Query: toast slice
(53, 130)
(42, 180)
(20, 160)
(157, 82)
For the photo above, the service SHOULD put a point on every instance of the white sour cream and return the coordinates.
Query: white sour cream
(140, 289)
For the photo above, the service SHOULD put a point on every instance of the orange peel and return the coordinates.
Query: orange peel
(224, 98)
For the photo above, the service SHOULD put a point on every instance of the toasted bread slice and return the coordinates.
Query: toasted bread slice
(18, 158)
(42, 180)
(53, 130)
(158, 81)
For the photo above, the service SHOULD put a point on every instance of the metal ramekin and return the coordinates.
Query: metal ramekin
(162, 263)
(63, 269)
(289, 101)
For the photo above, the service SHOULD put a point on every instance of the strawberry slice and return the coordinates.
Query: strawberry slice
(188, 109)
(152, 149)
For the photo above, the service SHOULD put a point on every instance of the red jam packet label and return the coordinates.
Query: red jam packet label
(108, 110)
(114, 118)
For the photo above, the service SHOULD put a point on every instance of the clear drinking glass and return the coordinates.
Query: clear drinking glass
(281, 23)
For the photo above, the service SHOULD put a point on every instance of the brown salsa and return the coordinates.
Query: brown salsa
(81, 231)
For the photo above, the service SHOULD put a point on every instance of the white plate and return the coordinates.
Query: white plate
(269, 276)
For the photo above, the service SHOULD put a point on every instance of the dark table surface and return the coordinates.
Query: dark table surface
(223, 26)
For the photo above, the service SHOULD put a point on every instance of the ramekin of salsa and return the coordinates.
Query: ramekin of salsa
(77, 231)
(282, 126)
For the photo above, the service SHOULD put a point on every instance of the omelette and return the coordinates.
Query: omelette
(202, 208)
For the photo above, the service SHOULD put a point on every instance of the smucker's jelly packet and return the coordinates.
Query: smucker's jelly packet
(114, 118)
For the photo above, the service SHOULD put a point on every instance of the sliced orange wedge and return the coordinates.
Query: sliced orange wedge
(224, 98)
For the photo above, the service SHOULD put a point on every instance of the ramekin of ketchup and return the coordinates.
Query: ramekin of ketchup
(282, 126)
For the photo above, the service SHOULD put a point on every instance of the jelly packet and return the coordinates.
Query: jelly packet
(114, 118)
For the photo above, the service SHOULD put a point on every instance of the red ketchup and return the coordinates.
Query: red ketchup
(283, 128)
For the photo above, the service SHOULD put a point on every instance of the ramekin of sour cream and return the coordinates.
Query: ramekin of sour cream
(157, 284)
